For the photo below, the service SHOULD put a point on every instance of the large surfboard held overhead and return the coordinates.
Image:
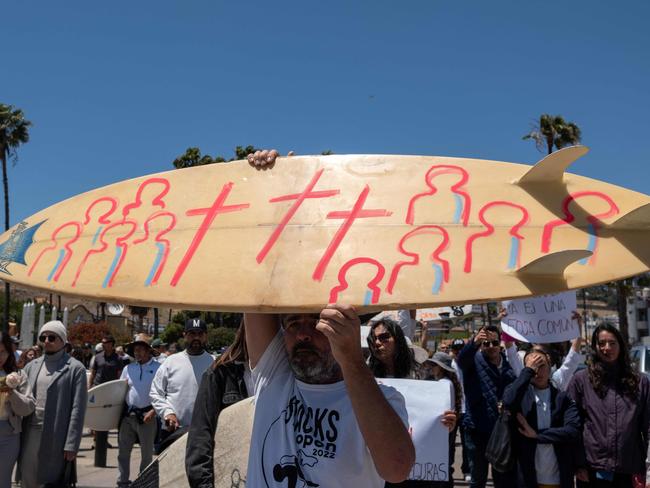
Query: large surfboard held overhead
(377, 231)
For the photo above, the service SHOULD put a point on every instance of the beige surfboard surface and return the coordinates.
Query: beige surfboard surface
(232, 443)
(376, 231)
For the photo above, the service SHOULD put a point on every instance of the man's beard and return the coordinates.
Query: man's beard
(195, 347)
(313, 367)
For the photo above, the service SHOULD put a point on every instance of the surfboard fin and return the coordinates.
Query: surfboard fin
(554, 264)
(637, 219)
(551, 169)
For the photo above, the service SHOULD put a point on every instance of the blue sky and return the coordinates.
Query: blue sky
(119, 89)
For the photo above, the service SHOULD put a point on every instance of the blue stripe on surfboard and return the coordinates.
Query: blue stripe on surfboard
(592, 242)
(156, 263)
(514, 252)
(56, 266)
(96, 236)
(459, 208)
(437, 283)
(116, 259)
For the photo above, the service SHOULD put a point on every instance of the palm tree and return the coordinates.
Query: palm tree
(13, 132)
(553, 131)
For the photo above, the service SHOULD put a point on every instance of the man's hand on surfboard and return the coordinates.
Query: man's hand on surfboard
(341, 325)
(263, 159)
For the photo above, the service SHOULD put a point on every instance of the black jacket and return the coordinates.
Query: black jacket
(563, 434)
(220, 388)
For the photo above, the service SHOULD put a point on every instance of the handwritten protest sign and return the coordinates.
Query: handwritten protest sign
(541, 319)
(425, 403)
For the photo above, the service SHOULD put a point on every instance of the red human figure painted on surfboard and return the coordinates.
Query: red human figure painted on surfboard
(440, 265)
(348, 217)
(298, 199)
(149, 199)
(372, 292)
(515, 237)
(209, 213)
(146, 207)
(95, 217)
(63, 237)
(157, 238)
(114, 236)
(594, 221)
(462, 200)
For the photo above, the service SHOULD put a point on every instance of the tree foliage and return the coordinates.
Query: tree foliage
(552, 131)
(14, 131)
(193, 157)
(92, 333)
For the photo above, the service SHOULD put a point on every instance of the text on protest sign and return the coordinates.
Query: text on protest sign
(542, 319)
(426, 401)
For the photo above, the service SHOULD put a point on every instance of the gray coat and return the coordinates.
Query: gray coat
(65, 408)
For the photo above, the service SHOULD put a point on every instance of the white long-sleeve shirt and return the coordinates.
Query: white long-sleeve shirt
(176, 384)
(560, 377)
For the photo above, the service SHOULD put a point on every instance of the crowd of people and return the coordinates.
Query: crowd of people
(579, 419)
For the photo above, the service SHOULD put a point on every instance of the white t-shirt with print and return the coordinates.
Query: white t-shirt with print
(307, 435)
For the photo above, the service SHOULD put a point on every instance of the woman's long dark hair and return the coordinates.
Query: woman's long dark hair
(403, 359)
(10, 363)
(627, 380)
(458, 390)
(237, 350)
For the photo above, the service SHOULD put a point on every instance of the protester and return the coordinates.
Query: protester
(16, 402)
(546, 426)
(320, 416)
(390, 355)
(486, 373)
(159, 349)
(15, 342)
(465, 467)
(562, 375)
(139, 423)
(315, 365)
(439, 367)
(58, 383)
(174, 388)
(614, 402)
(227, 381)
(124, 357)
(86, 355)
(443, 347)
(405, 318)
(26, 357)
(107, 365)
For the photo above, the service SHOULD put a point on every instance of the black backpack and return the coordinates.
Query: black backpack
(499, 448)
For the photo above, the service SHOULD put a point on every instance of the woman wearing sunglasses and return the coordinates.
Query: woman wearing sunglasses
(16, 402)
(390, 355)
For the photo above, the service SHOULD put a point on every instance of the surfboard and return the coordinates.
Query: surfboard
(376, 231)
(105, 403)
(232, 443)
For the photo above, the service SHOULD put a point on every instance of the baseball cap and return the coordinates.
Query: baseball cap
(195, 324)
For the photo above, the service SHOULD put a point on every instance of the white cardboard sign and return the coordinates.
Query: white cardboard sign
(542, 319)
(426, 401)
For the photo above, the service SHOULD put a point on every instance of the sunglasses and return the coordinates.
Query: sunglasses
(47, 338)
(490, 343)
(383, 337)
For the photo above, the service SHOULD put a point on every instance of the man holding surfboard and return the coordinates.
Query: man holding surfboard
(321, 419)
